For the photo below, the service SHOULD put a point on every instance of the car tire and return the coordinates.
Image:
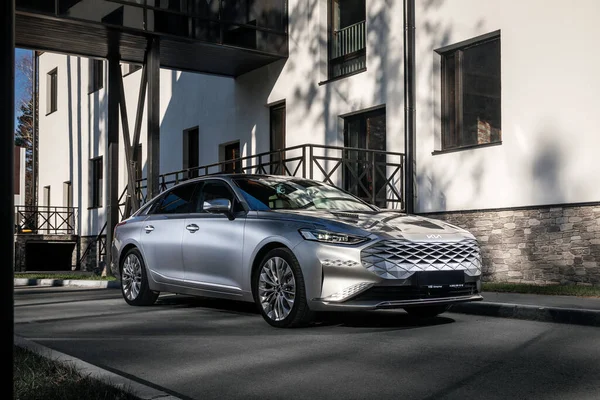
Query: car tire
(426, 311)
(273, 290)
(134, 280)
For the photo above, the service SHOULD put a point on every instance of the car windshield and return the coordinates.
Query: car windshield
(270, 193)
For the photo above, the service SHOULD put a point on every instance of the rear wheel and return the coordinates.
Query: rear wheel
(426, 311)
(279, 290)
(134, 280)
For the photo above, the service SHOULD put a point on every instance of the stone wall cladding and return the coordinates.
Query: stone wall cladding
(89, 260)
(542, 245)
(20, 263)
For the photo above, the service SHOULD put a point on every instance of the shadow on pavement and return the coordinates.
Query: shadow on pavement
(363, 319)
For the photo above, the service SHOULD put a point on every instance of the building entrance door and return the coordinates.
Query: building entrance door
(364, 171)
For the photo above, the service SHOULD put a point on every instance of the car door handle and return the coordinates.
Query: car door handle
(149, 228)
(192, 228)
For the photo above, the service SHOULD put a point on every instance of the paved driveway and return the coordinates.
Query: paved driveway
(204, 349)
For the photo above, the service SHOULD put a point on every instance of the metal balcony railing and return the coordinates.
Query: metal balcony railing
(372, 175)
(46, 220)
(348, 40)
(348, 50)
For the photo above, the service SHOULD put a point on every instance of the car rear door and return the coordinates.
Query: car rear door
(212, 243)
(162, 233)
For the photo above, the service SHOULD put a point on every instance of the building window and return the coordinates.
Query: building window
(347, 37)
(52, 91)
(277, 133)
(138, 162)
(129, 68)
(46, 196)
(67, 194)
(96, 175)
(46, 212)
(471, 96)
(231, 151)
(364, 173)
(96, 75)
(191, 152)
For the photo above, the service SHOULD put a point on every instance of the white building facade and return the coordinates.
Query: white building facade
(506, 117)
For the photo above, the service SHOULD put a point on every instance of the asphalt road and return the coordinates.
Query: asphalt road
(203, 349)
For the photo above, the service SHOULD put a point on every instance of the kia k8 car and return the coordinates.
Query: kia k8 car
(294, 247)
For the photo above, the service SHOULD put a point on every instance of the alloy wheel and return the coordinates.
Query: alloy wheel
(276, 288)
(131, 277)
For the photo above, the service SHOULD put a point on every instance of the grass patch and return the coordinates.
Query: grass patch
(65, 276)
(36, 377)
(556, 290)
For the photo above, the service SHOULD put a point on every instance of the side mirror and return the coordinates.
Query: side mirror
(218, 206)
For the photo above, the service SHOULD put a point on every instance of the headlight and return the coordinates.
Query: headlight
(331, 237)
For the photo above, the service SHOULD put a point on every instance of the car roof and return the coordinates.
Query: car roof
(244, 176)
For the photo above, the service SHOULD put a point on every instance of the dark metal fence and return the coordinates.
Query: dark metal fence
(100, 239)
(49, 220)
(372, 175)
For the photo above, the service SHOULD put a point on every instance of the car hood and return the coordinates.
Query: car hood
(386, 224)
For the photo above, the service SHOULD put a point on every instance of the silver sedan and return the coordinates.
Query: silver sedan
(294, 247)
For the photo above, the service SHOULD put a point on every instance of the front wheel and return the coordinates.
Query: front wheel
(134, 280)
(279, 290)
(426, 311)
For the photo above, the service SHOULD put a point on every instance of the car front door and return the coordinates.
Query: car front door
(213, 243)
(162, 233)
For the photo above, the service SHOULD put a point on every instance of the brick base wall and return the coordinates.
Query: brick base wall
(542, 245)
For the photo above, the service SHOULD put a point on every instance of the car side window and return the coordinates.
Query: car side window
(212, 190)
(176, 201)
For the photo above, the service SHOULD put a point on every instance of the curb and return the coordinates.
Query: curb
(139, 390)
(575, 316)
(20, 282)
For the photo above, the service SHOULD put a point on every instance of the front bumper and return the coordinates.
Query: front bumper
(390, 294)
(337, 278)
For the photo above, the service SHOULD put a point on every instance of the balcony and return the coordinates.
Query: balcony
(46, 220)
(214, 36)
(347, 50)
(374, 176)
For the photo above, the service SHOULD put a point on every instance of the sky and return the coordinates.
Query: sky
(19, 81)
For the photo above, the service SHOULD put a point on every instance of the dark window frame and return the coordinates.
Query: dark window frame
(95, 76)
(191, 151)
(274, 162)
(52, 91)
(227, 165)
(452, 62)
(96, 197)
(333, 62)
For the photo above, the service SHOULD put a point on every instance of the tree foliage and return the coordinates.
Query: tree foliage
(24, 132)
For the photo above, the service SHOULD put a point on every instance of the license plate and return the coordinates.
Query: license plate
(441, 278)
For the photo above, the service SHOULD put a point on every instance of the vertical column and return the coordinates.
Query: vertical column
(34, 154)
(153, 160)
(112, 155)
(7, 209)
(409, 105)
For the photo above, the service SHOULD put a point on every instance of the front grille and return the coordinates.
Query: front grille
(399, 259)
(398, 293)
